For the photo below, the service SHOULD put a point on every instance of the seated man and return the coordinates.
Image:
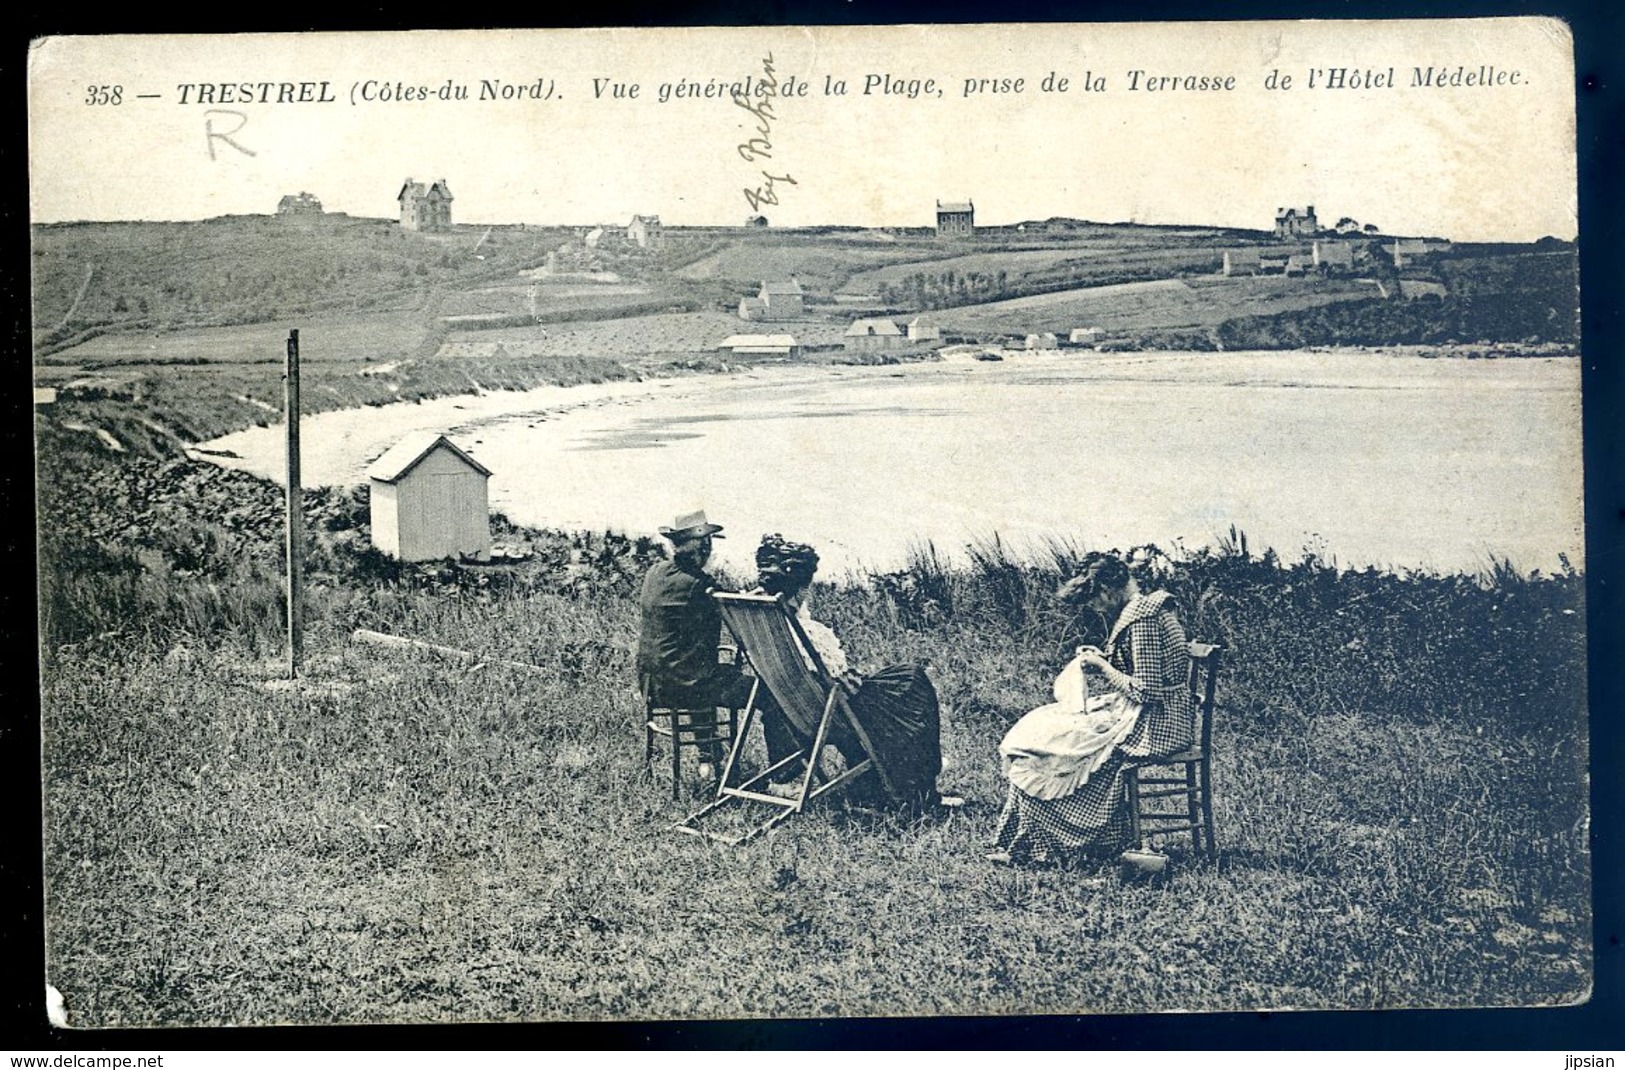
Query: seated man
(681, 630)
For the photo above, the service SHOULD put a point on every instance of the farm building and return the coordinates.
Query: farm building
(1241, 262)
(775, 301)
(769, 345)
(921, 331)
(873, 335)
(1046, 340)
(1289, 223)
(1404, 250)
(1296, 265)
(1333, 255)
(429, 501)
(302, 204)
(1084, 336)
(605, 237)
(425, 206)
(646, 232)
(956, 219)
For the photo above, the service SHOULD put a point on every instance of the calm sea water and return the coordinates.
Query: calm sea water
(1368, 458)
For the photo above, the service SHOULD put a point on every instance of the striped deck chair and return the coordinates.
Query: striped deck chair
(810, 700)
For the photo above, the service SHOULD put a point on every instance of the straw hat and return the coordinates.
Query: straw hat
(691, 526)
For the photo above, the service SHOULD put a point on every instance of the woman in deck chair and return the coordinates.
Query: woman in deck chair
(896, 705)
(1065, 760)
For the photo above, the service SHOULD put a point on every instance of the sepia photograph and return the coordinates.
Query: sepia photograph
(809, 522)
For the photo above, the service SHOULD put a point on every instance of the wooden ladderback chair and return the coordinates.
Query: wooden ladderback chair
(1184, 779)
(700, 729)
(808, 699)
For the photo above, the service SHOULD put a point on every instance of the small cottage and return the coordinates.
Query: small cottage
(921, 331)
(303, 204)
(1334, 255)
(761, 345)
(1241, 262)
(1043, 340)
(783, 300)
(430, 501)
(870, 335)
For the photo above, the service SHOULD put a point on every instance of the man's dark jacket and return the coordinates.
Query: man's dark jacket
(677, 646)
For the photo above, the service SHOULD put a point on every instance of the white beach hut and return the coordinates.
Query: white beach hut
(430, 501)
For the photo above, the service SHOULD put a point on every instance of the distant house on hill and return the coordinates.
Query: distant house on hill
(425, 206)
(1348, 225)
(956, 219)
(430, 501)
(1289, 223)
(768, 345)
(300, 204)
(873, 335)
(1045, 340)
(1084, 336)
(646, 232)
(775, 301)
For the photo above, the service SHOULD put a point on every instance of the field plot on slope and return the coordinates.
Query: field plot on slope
(359, 336)
(628, 336)
(823, 263)
(1166, 303)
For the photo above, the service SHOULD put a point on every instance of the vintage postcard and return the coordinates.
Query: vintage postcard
(747, 523)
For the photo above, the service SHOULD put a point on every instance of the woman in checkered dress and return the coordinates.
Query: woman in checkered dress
(1066, 766)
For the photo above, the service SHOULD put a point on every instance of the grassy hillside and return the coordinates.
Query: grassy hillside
(1400, 778)
(249, 269)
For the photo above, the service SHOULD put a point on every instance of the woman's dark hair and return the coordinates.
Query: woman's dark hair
(783, 566)
(1100, 572)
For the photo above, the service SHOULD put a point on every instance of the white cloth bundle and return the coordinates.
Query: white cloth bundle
(1053, 750)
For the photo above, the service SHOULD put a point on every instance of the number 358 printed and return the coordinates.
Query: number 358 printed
(99, 95)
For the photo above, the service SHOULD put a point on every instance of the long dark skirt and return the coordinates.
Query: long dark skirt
(898, 709)
(1094, 819)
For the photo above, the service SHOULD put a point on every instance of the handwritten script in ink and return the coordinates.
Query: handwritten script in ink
(758, 101)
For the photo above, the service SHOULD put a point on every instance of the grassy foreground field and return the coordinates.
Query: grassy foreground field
(1400, 792)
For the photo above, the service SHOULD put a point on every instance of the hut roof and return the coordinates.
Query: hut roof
(404, 456)
(744, 341)
(862, 328)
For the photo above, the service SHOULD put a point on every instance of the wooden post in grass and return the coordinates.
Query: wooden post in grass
(296, 519)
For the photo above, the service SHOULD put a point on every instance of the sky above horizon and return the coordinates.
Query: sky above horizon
(1472, 162)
